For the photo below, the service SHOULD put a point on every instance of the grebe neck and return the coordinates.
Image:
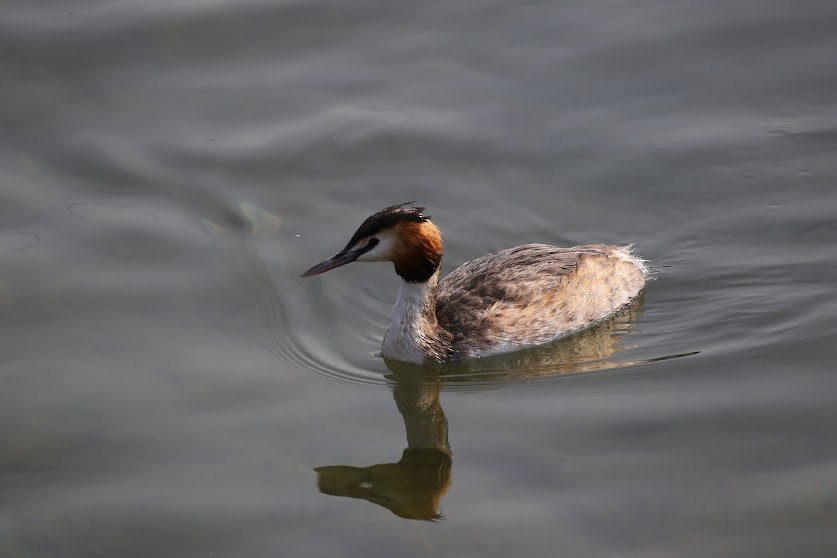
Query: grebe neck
(414, 334)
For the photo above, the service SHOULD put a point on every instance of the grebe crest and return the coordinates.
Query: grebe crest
(506, 300)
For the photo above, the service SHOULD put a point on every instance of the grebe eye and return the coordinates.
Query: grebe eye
(372, 242)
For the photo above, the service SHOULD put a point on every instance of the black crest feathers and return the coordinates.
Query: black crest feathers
(387, 218)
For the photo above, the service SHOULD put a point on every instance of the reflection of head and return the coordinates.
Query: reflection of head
(412, 488)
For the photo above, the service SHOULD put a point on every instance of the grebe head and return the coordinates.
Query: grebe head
(401, 234)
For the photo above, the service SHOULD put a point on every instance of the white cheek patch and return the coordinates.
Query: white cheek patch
(381, 252)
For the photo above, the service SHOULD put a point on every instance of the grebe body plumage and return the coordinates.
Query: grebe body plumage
(503, 301)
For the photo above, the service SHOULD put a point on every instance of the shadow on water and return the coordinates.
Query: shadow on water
(413, 487)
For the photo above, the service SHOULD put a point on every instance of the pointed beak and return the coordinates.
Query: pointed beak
(341, 258)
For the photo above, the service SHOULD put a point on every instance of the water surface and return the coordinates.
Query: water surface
(171, 387)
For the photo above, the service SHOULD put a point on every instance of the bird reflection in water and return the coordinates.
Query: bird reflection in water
(413, 487)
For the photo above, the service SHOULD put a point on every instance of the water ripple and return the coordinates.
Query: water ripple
(107, 213)
(591, 351)
(17, 241)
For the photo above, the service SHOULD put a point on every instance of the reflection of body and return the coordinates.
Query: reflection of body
(500, 302)
(413, 487)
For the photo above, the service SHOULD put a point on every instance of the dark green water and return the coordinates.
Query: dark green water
(168, 384)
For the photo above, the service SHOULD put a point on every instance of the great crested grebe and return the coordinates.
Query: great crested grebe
(506, 300)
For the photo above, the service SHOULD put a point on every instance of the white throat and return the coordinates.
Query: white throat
(412, 332)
